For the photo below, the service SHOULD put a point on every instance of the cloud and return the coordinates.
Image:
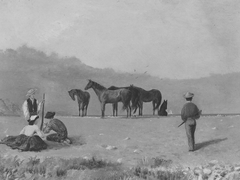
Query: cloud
(177, 39)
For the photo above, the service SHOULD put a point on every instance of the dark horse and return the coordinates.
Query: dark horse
(83, 98)
(152, 95)
(163, 109)
(110, 96)
(134, 99)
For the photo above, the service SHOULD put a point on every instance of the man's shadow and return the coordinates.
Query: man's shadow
(207, 143)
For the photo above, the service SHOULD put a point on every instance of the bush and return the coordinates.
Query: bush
(57, 168)
(158, 168)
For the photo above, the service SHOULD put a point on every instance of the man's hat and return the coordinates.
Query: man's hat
(49, 115)
(33, 118)
(31, 92)
(188, 95)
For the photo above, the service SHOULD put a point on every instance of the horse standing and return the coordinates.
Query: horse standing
(152, 95)
(163, 109)
(134, 99)
(110, 96)
(83, 98)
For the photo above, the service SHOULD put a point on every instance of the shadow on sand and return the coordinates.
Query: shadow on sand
(76, 141)
(207, 143)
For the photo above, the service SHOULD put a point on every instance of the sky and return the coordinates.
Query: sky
(176, 39)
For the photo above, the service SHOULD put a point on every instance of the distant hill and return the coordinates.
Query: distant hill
(8, 108)
(26, 67)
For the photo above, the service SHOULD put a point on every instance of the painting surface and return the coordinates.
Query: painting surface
(173, 46)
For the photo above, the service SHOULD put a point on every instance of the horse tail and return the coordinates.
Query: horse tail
(126, 98)
(159, 100)
(135, 103)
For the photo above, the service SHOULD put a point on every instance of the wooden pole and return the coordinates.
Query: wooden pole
(41, 126)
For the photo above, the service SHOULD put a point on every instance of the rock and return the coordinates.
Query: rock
(237, 168)
(137, 151)
(111, 147)
(71, 173)
(217, 167)
(200, 177)
(213, 162)
(86, 158)
(119, 160)
(27, 175)
(233, 175)
(207, 171)
(229, 168)
(214, 176)
(104, 145)
(223, 173)
(197, 171)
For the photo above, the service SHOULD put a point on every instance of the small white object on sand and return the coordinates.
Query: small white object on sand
(111, 147)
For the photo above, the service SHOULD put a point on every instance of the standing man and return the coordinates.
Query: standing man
(31, 106)
(189, 114)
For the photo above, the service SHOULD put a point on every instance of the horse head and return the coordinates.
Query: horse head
(71, 94)
(89, 84)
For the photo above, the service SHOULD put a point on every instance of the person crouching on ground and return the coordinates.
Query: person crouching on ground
(58, 126)
(30, 138)
(189, 114)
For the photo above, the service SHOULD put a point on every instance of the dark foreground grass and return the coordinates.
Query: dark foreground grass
(89, 169)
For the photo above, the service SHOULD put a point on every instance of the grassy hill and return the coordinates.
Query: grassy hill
(26, 67)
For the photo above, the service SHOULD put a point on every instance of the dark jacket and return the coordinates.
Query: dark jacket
(57, 126)
(190, 110)
(32, 107)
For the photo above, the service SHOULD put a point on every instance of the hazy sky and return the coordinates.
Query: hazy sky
(166, 38)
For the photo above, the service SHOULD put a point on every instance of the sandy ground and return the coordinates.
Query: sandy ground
(217, 138)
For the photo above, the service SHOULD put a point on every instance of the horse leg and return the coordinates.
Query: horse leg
(116, 109)
(139, 111)
(113, 109)
(130, 110)
(79, 109)
(86, 107)
(103, 109)
(85, 111)
(153, 103)
(82, 111)
(140, 108)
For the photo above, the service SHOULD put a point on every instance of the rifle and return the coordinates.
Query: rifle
(41, 126)
(199, 113)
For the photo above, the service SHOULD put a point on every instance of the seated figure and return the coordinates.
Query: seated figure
(30, 138)
(58, 126)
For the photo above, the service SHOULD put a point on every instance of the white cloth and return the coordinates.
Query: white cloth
(30, 130)
(34, 117)
(26, 111)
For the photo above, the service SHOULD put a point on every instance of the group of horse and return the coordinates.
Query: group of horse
(131, 96)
